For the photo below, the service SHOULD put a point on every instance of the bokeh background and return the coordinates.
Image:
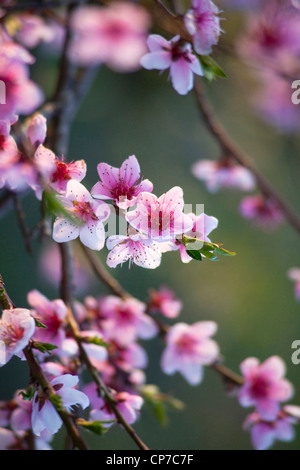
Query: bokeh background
(249, 296)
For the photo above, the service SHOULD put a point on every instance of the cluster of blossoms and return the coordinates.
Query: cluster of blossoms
(202, 23)
(111, 329)
(265, 389)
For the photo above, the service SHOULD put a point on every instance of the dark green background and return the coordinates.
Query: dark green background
(249, 295)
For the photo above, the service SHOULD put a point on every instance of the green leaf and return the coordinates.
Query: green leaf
(39, 324)
(27, 394)
(159, 403)
(56, 401)
(96, 340)
(94, 426)
(195, 254)
(222, 251)
(210, 255)
(211, 68)
(54, 207)
(43, 347)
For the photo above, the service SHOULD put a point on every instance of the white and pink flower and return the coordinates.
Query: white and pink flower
(17, 327)
(188, 349)
(121, 185)
(160, 219)
(55, 172)
(44, 415)
(136, 249)
(175, 55)
(88, 217)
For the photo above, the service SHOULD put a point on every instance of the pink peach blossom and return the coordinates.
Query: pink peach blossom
(55, 172)
(52, 313)
(17, 326)
(44, 415)
(125, 320)
(188, 349)
(128, 404)
(160, 219)
(32, 30)
(203, 23)
(175, 55)
(265, 433)
(114, 35)
(264, 387)
(165, 302)
(203, 226)
(263, 212)
(22, 96)
(217, 175)
(88, 215)
(136, 249)
(121, 185)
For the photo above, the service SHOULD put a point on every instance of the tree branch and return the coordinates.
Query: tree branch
(231, 149)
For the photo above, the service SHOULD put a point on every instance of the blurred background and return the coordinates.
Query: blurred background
(249, 296)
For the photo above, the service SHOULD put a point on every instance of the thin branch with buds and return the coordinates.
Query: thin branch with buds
(229, 148)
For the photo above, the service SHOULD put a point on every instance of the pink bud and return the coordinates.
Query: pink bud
(37, 130)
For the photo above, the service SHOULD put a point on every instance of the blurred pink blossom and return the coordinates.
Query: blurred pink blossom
(263, 212)
(265, 433)
(217, 175)
(188, 349)
(52, 313)
(294, 275)
(129, 405)
(264, 387)
(31, 29)
(165, 302)
(125, 320)
(113, 35)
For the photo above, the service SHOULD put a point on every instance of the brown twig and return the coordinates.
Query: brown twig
(26, 233)
(105, 277)
(230, 148)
